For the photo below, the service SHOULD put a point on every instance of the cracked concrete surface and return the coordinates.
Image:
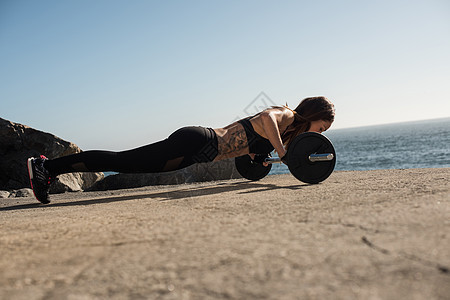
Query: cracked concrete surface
(381, 234)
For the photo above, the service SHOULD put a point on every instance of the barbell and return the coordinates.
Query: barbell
(310, 158)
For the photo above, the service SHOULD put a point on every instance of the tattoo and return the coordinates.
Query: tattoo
(235, 141)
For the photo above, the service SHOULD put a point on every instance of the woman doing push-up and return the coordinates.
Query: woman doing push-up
(272, 129)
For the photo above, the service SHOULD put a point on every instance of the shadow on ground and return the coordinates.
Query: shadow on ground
(245, 187)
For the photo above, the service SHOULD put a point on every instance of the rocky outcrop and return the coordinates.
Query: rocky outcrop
(18, 142)
(220, 170)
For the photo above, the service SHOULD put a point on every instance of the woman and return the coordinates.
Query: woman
(273, 128)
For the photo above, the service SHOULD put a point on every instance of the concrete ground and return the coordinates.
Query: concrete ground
(359, 235)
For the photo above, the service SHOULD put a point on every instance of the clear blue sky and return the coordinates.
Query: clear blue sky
(119, 74)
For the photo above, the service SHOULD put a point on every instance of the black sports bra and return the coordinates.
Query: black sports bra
(256, 143)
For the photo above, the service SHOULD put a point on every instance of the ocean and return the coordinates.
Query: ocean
(419, 144)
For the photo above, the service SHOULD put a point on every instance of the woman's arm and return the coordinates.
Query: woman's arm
(271, 121)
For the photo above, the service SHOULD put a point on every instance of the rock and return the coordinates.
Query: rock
(25, 192)
(4, 194)
(74, 182)
(19, 142)
(220, 170)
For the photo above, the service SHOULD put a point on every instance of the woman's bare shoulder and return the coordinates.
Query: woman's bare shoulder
(281, 113)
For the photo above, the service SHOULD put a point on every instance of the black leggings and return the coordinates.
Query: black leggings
(182, 148)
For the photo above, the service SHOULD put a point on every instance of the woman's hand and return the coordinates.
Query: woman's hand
(252, 156)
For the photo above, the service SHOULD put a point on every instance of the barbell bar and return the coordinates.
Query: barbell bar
(315, 157)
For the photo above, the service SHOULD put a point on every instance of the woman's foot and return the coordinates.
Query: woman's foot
(39, 178)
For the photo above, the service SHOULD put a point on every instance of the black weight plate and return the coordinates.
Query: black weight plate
(250, 170)
(298, 157)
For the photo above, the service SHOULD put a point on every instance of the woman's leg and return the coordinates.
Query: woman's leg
(183, 148)
(176, 152)
(146, 159)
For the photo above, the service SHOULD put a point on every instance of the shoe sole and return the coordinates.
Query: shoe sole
(30, 175)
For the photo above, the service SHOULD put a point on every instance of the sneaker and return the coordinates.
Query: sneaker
(39, 178)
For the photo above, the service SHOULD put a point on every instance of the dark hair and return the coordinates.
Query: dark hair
(310, 109)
